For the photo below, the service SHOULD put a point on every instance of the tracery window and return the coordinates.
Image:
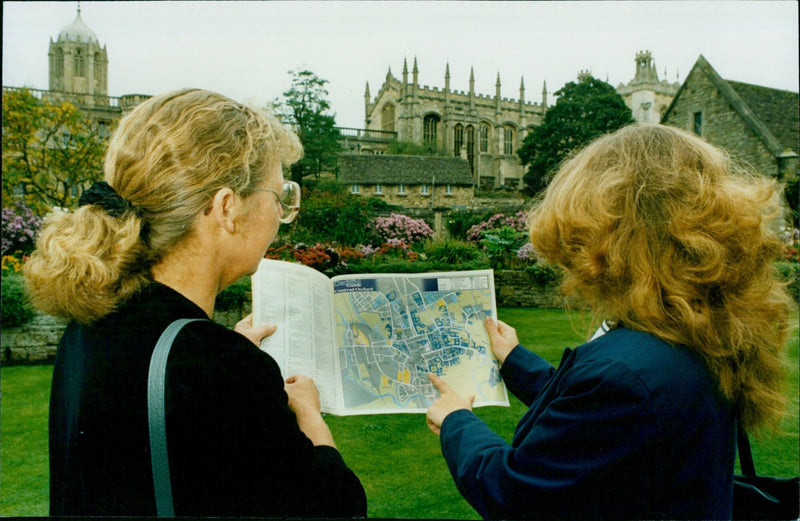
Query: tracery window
(387, 118)
(98, 69)
(471, 148)
(79, 63)
(59, 72)
(458, 139)
(430, 130)
(508, 140)
(483, 137)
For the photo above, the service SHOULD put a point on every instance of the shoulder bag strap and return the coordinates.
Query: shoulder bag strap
(156, 382)
(745, 454)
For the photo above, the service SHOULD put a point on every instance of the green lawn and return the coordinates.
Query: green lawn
(396, 456)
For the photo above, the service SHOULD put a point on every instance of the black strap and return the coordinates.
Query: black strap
(745, 454)
(156, 382)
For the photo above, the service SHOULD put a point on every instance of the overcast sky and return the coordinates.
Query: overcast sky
(245, 49)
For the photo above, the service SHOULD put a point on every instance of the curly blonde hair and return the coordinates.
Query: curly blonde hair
(168, 158)
(661, 231)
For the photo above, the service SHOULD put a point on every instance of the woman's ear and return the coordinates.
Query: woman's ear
(225, 208)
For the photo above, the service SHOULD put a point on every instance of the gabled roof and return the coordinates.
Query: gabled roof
(396, 169)
(759, 107)
(779, 110)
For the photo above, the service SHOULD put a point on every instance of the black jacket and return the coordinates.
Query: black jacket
(234, 445)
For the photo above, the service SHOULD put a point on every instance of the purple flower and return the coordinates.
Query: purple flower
(20, 228)
(401, 227)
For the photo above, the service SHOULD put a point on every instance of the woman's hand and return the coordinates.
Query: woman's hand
(304, 401)
(503, 338)
(303, 395)
(254, 334)
(448, 402)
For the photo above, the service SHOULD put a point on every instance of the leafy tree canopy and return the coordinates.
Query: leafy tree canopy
(584, 111)
(305, 108)
(50, 151)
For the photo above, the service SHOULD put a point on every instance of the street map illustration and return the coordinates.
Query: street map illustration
(391, 332)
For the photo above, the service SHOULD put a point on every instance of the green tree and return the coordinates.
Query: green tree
(584, 111)
(305, 108)
(50, 151)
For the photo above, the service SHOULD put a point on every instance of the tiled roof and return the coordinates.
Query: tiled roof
(396, 169)
(777, 109)
(771, 114)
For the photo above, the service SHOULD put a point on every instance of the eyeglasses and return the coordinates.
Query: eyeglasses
(289, 198)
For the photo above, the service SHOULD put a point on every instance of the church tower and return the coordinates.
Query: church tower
(646, 95)
(77, 62)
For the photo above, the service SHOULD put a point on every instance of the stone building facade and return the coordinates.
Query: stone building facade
(755, 124)
(78, 73)
(484, 129)
(646, 95)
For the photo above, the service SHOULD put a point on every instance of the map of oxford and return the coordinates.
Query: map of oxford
(393, 331)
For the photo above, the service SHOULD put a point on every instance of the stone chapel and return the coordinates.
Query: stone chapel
(486, 130)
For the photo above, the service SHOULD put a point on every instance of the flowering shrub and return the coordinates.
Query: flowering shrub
(516, 222)
(12, 264)
(792, 252)
(20, 229)
(399, 226)
(527, 252)
(318, 256)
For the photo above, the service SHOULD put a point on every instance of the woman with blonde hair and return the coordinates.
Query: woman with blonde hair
(672, 248)
(193, 196)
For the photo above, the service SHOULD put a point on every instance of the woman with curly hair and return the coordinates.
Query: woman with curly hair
(193, 196)
(672, 246)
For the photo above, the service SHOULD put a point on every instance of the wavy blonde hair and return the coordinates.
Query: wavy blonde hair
(661, 231)
(168, 157)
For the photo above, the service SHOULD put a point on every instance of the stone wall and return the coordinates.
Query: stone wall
(36, 341)
(32, 343)
(518, 289)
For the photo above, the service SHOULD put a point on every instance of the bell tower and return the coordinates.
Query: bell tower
(78, 64)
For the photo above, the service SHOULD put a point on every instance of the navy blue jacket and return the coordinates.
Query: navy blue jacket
(627, 427)
(234, 445)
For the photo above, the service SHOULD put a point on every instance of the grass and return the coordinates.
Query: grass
(24, 472)
(396, 456)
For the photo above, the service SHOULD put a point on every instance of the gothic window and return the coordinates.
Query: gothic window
(471, 147)
(59, 72)
(508, 140)
(458, 139)
(79, 64)
(98, 73)
(387, 118)
(430, 131)
(483, 136)
(698, 123)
